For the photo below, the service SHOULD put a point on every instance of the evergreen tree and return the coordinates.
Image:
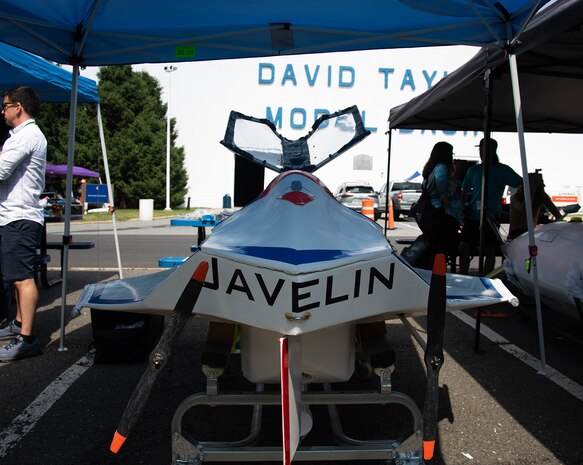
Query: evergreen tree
(134, 121)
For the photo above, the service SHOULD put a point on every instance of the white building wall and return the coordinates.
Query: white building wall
(293, 90)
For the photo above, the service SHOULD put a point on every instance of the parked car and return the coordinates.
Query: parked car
(351, 195)
(404, 195)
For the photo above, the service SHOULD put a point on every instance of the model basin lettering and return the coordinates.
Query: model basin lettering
(301, 294)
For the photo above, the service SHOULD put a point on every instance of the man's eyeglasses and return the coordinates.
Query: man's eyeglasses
(7, 105)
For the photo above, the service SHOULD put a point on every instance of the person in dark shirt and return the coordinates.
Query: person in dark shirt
(539, 198)
(500, 176)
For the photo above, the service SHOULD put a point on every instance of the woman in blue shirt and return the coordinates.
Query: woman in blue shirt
(444, 191)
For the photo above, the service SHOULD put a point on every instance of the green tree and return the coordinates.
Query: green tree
(134, 121)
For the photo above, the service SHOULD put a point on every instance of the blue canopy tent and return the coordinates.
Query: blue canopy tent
(96, 32)
(109, 32)
(53, 84)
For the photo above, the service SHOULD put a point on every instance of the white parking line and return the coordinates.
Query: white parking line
(404, 224)
(24, 422)
(556, 377)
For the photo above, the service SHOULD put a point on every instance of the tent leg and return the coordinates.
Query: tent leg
(109, 188)
(386, 199)
(477, 331)
(488, 90)
(532, 249)
(68, 195)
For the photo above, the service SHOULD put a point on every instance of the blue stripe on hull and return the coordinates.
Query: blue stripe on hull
(291, 256)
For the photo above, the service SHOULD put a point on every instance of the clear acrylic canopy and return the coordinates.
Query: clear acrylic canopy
(258, 140)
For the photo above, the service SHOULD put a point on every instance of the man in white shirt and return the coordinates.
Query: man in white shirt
(22, 178)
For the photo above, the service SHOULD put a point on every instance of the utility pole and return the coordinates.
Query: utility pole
(168, 69)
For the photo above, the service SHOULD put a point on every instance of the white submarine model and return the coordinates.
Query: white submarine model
(308, 284)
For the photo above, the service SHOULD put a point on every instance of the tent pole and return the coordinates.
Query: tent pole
(67, 238)
(109, 187)
(390, 133)
(485, 165)
(532, 249)
(484, 194)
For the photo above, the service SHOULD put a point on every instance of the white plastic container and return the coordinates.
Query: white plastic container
(327, 355)
(146, 209)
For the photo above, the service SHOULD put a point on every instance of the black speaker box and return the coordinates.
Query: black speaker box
(123, 337)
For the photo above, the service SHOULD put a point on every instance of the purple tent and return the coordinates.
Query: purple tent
(61, 170)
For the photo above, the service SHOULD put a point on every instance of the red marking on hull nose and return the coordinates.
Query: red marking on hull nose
(297, 197)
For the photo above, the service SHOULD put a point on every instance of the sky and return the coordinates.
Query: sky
(294, 90)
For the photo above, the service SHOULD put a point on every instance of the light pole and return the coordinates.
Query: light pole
(168, 69)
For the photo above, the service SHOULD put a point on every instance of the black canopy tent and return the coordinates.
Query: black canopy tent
(550, 60)
(484, 94)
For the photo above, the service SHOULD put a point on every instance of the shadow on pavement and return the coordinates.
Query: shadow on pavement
(530, 399)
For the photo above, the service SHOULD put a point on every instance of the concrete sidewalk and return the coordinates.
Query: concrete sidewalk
(157, 226)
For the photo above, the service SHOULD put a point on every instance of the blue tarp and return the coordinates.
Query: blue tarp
(416, 174)
(95, 33)
(52, 83)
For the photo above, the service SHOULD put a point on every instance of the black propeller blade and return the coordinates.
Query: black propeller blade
(434, 353)
(159, 355)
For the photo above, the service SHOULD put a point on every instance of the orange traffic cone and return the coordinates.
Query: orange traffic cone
(368, 208)
(390, 214)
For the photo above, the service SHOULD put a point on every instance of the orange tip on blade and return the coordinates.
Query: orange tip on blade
(117, 442)
(201, 271)
(439, 264)
(428, 447)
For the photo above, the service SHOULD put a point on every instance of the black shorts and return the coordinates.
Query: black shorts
(471, 233)
(18, 243)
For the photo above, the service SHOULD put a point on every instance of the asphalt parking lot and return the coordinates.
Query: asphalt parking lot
(495, 408)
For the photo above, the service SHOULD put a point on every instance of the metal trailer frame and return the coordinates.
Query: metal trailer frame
(186, 450)
(398, 451)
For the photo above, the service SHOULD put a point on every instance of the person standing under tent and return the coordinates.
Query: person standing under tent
(500, 176)
(444, 192)
(22, 179)
(539, 197)
(4, 300)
